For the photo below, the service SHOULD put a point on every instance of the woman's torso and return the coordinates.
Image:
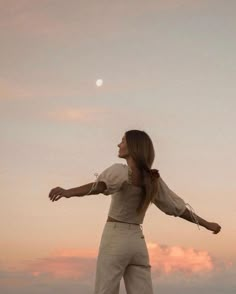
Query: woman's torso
(136, 180)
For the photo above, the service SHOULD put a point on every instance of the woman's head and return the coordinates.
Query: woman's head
(138, 145)
(140, 148)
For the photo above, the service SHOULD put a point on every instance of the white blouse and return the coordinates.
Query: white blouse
(126, 197)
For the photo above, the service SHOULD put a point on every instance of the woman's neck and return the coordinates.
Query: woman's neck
(132, 165)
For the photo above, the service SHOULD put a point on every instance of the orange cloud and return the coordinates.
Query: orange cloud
(80, 264)
(65, 263)
(76, 114)
(77, 268)
(69, 252)
(167, 260)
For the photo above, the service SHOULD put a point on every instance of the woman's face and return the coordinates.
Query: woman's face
(123, 149)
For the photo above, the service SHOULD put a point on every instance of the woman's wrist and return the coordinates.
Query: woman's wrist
(206, 224)
(69, 193)
(202, 222)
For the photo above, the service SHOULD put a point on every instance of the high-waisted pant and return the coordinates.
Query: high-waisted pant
(123, 253)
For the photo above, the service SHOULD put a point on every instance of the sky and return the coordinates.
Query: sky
(168, 68)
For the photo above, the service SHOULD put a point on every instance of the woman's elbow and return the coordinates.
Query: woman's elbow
(101, 187)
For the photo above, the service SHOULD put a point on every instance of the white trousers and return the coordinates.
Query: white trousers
(123, 253)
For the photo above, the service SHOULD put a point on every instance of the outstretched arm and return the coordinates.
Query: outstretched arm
(202, 222)
(58, 192)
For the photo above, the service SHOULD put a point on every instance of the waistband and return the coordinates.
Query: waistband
(124, 225)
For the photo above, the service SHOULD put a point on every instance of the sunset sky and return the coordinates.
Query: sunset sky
(168, 68)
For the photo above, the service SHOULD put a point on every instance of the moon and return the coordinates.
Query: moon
(99, 82)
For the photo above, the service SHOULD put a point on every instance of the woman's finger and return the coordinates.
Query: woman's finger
(51, 193)
(57, 195)
(56, 198)
(54, 192)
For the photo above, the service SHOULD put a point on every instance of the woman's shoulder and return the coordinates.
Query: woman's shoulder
(120, 170)
(120, 166)
(117, 170)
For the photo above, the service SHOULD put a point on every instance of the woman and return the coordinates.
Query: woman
(123, 251)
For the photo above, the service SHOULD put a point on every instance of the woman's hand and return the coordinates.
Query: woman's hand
(57, 193)
(214, 227)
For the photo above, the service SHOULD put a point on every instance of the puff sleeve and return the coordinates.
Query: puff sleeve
(113, 177)
(167, 201)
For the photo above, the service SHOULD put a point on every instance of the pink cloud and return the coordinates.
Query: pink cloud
(76, 114)
(167, 260)
(72, 252)
(65, 263)
(80, 264)
(77, 268)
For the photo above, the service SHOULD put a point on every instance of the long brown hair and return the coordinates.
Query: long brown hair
(141, 149)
